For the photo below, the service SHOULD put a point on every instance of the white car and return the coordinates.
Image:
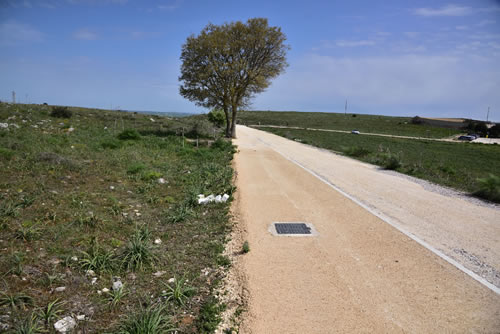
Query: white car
(356, 132)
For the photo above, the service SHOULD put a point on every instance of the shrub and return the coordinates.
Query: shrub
(217, 117)
(129, 134)
(135, 168)
(209, 317)
(6, 153)
(417, 120)
(489, 188)
(388, 161)
(356, 151)
(61, 112)
(110, 143)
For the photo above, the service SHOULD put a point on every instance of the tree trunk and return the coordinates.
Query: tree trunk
(233, 123)
(228, 123)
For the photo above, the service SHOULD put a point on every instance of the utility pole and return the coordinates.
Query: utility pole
(13, 97)
(345, 109)
(488, 115)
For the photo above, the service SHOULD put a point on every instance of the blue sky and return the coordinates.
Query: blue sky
(430, 58)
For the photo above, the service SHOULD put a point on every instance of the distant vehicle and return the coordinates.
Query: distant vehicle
(356, 132)
(476, 136)
(467, 138)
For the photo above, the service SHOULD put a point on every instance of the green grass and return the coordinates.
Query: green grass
(457, 165)
(365, 123)
(89, 199)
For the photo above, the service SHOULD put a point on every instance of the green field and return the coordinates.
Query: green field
(400, 126)
(457, 165)
(84, 193)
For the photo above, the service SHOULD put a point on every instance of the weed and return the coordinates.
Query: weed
(27, 231)
(209, 317)
(246, 247)
(489, 188)
(151, 175)
(388, 161)
(30, 325)
(129, 134)
(179, 214)
(178, 292)
(223, 261)
(110, 143)
(9, 209)
(151, 320)
(138, 253)
(6, 154)
(26, 201)
(97, 258)
(61, 112)
(90, 221)
(15, 300)
(135, 168)
(115, 296)
(51, 312)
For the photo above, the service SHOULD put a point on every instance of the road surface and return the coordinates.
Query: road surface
(360, 274)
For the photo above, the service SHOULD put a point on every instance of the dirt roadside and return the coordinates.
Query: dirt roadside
(358, 275)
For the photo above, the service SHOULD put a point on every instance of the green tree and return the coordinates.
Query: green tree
(217, 117)
(226, 65)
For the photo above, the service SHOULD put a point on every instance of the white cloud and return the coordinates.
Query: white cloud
(354, 43)
(13, 33)
(462, 27)
(411, 34)
(85, 34)
(170, 5)
(448, 10)
(486, 22)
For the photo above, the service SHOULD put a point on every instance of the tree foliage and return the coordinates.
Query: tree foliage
(226, 65)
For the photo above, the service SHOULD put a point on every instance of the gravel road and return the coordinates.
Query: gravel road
(360, 274)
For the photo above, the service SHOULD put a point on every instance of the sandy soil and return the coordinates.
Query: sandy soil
(359, 274)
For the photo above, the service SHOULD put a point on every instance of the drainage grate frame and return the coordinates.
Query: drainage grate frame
(292, 229)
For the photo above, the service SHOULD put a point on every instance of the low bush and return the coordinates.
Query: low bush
(356, 151)
(61, 112)
(129, 134)
(489, 188)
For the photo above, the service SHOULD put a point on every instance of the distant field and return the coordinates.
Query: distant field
(456, 165)
(400, 126)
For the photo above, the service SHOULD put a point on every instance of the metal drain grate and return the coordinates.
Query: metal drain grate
(292, 228)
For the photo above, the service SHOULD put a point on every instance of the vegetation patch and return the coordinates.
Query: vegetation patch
(113, 198)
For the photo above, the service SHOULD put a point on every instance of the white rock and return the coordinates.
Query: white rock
(161, 180)
(158, 241)
(138, 214)
(74, 258)
(90, 272)
(152, 120)
(94, 279)
(105, 128)
(60, 289)
(65, 324)
(111, 187)
(105, 290)
(117, 285)
(159, 273)
(80, 317)
(225, 197)
(14, 125)
(99, 292)
(171, 280)
(4, 125)
(71, 129)
(218, 199)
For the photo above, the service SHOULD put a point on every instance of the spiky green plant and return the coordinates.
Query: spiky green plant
(151, 320)
(178, 291)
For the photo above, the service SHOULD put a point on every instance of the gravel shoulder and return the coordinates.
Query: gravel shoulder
(360, 274)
